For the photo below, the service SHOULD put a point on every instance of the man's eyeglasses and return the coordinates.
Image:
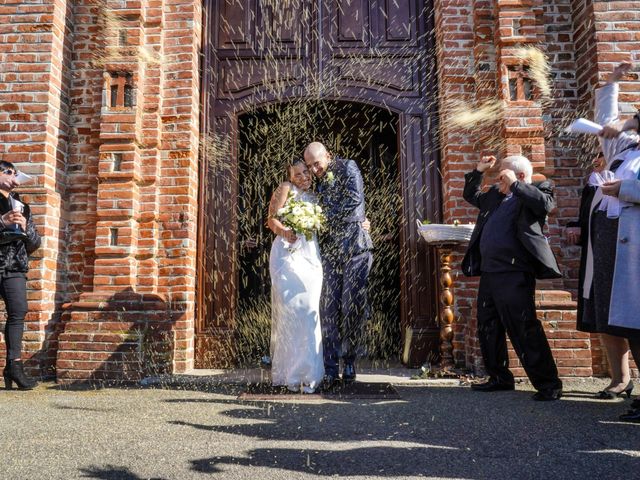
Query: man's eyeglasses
(9, 171)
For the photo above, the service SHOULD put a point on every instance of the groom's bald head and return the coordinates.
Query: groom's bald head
(317, 158)
(315, 149)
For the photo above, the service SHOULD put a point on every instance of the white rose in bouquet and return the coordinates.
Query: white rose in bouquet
(304, 218)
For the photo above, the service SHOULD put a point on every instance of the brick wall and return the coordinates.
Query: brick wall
(112, 291)
(34, 130)
(114, 282)
(455, 56)
(607, 33)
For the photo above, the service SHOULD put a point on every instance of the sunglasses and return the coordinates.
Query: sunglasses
(9, 171)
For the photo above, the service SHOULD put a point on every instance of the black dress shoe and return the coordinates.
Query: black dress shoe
(631, 416)
(609, 395)
(492, 386)
(548, 395)
(329, 381)
(349, 373)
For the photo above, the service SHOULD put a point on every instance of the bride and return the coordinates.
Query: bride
(296, 283)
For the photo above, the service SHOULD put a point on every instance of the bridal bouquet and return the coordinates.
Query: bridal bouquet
(304, 218)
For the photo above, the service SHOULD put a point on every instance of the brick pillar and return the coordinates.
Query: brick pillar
(454, 23)
(606, 33)
(136, 316)
(34, 82)
(178, 192)
(519, 24)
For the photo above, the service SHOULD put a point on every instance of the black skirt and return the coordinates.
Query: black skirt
(604, 239)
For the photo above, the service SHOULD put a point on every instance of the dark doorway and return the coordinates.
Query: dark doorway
(268, 139)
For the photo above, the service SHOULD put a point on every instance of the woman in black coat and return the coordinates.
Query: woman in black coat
(18, 239)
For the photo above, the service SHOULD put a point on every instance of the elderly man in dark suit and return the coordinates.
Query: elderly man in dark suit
(509, 251)
(346, 259)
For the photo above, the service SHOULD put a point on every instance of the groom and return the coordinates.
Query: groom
(346, 260)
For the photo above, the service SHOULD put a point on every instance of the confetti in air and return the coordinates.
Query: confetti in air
(269, 138)
(462, 116)
(539, 68)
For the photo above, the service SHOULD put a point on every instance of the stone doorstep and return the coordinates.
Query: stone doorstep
(395, 377)
(398, 377)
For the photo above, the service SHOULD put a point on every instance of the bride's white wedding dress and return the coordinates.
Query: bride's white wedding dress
(296, 285)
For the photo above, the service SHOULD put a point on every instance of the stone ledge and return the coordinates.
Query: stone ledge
(554, 300)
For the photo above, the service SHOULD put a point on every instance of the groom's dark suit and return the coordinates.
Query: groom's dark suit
(509, 251)
(346, 261)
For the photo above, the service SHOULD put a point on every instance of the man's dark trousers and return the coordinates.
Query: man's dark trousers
(506, 302)
(343, 309)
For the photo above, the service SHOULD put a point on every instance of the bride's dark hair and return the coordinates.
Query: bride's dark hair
(293, 162)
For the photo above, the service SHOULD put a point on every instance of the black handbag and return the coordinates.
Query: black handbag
(9, 235)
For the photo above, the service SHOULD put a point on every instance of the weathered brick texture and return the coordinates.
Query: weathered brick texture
(116, 192)
(35, 44)
(100, 101)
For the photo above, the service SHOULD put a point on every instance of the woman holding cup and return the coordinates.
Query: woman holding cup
(596, 234)
(18, 239)
(613, 253)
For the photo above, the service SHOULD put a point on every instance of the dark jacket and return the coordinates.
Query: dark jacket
(341, 194)
(536, 201)
(583, 223)
(14, 256)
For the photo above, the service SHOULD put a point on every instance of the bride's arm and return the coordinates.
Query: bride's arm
(278, 200)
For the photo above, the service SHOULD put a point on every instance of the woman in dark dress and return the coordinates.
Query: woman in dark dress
(588, 319)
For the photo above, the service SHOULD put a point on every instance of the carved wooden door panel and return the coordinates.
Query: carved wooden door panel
(377, 52)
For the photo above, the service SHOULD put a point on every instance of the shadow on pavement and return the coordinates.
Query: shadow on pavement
(111, 472)
(432, 431)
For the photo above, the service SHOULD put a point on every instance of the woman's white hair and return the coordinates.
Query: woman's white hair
(519, 164)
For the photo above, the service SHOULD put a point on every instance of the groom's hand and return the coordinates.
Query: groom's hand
(366, 225)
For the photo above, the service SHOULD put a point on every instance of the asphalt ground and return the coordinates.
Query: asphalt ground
(184, 430)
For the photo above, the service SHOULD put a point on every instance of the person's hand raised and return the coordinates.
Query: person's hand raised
(572, 235)
(486, 163)
(620, 71)
(610, 131)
